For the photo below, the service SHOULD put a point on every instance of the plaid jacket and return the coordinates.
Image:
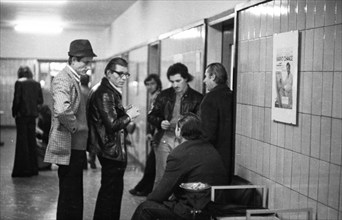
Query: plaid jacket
(66, 96)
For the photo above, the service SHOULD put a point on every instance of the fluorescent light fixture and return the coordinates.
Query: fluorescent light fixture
(39, 27)
(37, 2)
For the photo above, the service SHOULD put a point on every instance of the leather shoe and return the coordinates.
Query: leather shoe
(137, 193)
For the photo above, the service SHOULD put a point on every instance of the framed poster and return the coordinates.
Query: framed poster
(285, 77)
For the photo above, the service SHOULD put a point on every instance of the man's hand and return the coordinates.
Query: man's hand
(165, 124)
(133, 112)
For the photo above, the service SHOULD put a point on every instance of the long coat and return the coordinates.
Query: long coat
(66, 96)
(216, 112)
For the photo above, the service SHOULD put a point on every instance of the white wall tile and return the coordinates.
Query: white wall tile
(309, 49)
(327, 93)
(276, 16)
(307, 92)
(301, 17)
(288, 136)
(306, 134)
(297, 134)
(325, 138)
(281, 135)
(267, 130)
(338, 47)
(295, 171)
(313, 178)
(323, 182)
(315, 136)
(319, 13)
(334, 186)
(310, 14)
(337, 97)
(266, 161)
(317, 87)
(338, 12)
(273, 162)
(287, 168)
(280, 165)
(292, 15)
(336, 140)
(330, 15)
(269, 18)
(328, 52)
(284, 16)
(318, 49)
(304, 175)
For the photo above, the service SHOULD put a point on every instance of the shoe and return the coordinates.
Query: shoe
(137, 193)
(142, 193)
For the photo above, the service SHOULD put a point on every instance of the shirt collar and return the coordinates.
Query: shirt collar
(75, 74)
(116, 88)
(183, 92)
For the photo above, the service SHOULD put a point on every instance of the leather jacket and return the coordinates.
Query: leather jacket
(107, 120)
(164, 104)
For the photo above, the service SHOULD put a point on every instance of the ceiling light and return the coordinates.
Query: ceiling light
(39, 27)
(56, 2)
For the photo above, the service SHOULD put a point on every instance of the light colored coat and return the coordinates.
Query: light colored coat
(66, 96)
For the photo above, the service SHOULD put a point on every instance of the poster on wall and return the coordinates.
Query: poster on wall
(285, 77)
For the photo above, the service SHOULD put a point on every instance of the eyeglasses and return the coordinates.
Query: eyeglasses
(121, 74)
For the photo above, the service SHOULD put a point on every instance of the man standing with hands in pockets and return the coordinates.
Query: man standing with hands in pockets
(68, 135)
(107, 120)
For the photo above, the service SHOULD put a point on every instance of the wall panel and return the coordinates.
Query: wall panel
(304, 159)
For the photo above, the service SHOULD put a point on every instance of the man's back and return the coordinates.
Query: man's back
(191, 161)
(28, 95)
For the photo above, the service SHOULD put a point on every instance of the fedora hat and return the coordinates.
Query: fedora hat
(81, 48)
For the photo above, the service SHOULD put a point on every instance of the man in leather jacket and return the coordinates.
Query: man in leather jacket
(170, 105)
(107, 120)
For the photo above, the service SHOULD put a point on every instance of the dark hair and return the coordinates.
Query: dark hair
(77, 58)
(25, 71)
(115, 61)
(219, 71)
(179, 68)
(154, 77)
(190, 126)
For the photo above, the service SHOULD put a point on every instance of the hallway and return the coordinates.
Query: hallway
(35, 198)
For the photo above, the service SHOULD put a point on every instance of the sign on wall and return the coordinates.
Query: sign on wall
(285, 77)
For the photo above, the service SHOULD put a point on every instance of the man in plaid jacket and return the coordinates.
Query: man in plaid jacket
(69, 130)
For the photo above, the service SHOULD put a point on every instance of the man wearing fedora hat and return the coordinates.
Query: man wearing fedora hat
(69, 130)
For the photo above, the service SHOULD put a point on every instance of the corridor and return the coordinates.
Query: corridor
(35, 198)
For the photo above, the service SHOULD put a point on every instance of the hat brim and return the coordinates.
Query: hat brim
(90, 54)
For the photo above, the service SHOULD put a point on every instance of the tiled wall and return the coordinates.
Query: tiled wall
(300, 164)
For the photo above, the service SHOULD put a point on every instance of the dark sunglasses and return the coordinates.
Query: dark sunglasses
(121, 74)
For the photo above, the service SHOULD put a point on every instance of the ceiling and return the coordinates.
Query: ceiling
(72, 13)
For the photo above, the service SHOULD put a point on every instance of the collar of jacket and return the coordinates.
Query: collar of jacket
(105, 82)
(220, 86)
(185, 94)
(75, 74)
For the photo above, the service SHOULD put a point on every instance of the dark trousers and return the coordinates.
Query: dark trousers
(25, 160)
(70, 199)
(151, 210)
(108, 203)
(145, 185)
